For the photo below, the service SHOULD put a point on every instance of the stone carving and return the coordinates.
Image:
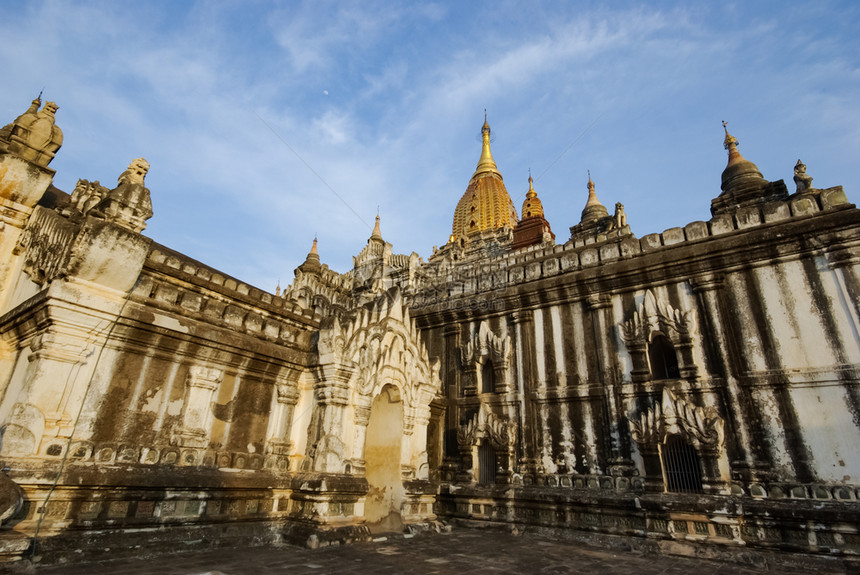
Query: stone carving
(801, 178)
(487, 425)
(34, 135)
(381, 337)
(129, 204)
(620, 216)
(655, 315)
(486, 343)
(87, 195)
(135, 173)
(46, 243)
(482, 347)
(380, 345)
(702, 426)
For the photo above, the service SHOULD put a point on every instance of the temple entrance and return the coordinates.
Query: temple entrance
(382, 460)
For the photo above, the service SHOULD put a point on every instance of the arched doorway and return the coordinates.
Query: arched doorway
(382, 461)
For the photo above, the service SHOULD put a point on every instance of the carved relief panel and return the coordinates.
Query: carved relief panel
(659, 339)
(485, 349)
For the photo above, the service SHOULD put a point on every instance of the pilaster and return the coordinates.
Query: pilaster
(523, 324)
(200, 385)
(286, 397)
(708, 290)
(619, 449)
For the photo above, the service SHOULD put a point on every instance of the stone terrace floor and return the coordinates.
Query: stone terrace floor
(462, 551)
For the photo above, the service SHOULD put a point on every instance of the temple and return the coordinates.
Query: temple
(696, 391)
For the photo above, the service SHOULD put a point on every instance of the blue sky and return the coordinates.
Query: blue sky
(385, 100)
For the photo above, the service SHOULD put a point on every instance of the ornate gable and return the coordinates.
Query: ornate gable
(486, 344)
(486, 425)
(653, 315)
(701, 426)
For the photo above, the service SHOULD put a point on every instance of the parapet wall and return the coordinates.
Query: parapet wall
(454, 279)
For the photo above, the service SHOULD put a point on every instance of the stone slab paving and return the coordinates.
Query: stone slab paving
(462, 551)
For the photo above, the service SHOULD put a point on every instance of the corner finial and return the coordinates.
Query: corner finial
(486, 162)
(377, 233)
(312, 261)
(731, 144)
(531, 193)
(592, 195)
(730, 140)
(593, 210)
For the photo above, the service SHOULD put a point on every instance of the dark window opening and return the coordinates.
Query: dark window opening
(486, 463)
(488, 378)
(663, 359)
(681, 466)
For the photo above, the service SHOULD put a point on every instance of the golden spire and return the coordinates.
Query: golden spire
(531, 193)
(532, 207)
(486, 205)
(731, 144)
(486, 162)
(314, 248)
(376, 231)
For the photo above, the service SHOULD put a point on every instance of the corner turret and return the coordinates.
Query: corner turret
(742, 184)
(593, 210)
(34, 135)
(533, 229)
(596, 223)
(312, 264)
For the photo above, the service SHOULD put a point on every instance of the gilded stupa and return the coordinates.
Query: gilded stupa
(486, 205)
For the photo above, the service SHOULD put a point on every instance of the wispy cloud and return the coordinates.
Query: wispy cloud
(183, 85)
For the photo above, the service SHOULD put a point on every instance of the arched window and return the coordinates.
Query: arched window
(488, 378)
(486, 463)
(662, 357)
(682, 470)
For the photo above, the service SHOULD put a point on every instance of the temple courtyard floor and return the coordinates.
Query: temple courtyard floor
(461, 551)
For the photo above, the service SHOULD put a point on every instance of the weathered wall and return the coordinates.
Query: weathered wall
(762, 312)
(145, 397)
